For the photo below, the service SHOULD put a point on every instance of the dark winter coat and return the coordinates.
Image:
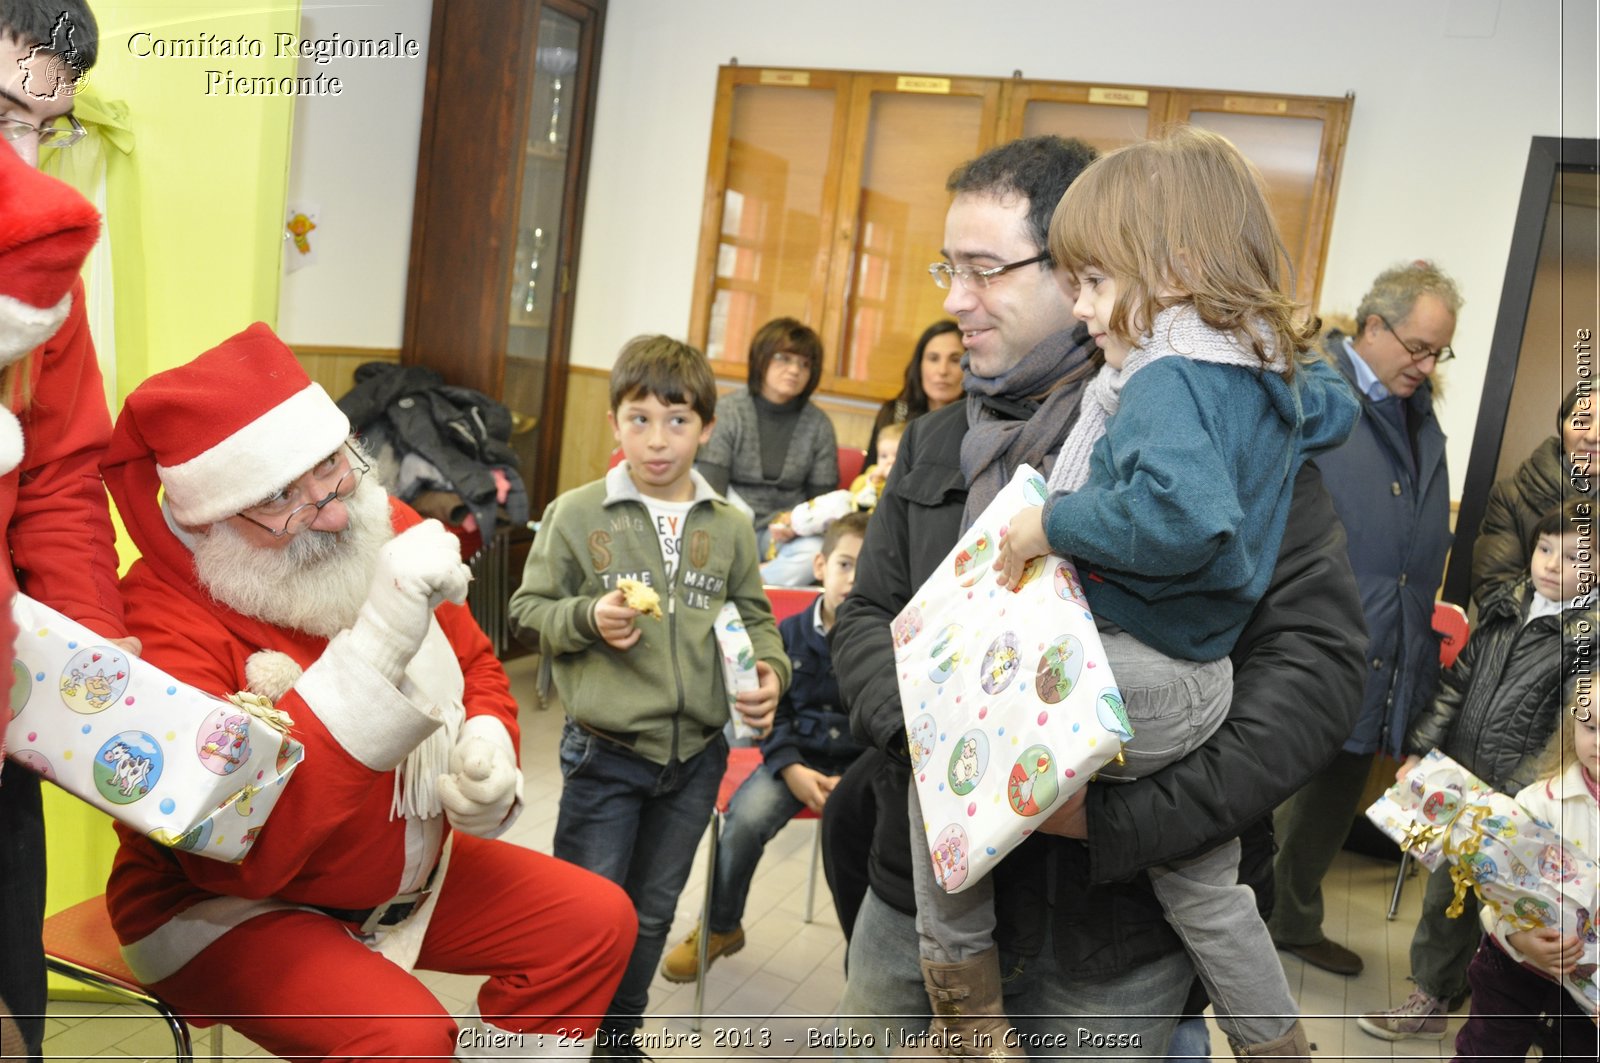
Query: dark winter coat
(1397, 513)
(1500, 701)
(1518, 502)
(810, 726)
(463, 433)
(1296, 684)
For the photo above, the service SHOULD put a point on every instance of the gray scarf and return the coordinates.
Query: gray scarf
(1012, 420)
(1178, 330)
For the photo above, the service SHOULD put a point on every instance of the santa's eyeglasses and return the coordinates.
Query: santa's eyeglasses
(275, 513)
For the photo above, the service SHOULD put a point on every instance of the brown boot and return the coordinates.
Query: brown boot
(1292, 1045)
(969, 1020)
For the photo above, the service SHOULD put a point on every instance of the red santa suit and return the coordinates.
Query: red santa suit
(358, 825)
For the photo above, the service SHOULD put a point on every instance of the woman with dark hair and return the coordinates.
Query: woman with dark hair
(1559, 469)
(770, 445)
(933, 379)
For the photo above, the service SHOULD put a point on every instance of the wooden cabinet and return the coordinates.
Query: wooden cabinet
(825, 195)
(506, 128)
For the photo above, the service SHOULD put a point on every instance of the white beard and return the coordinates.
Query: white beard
(317, 583)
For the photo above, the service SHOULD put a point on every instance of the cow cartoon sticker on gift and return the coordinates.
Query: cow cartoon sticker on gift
(94, 679)
(127, 767)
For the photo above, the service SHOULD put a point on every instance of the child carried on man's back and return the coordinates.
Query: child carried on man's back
(1171, 493)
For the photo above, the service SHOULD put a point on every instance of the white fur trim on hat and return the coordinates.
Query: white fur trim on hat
(264, 456)
(24, 326)
(10, 441)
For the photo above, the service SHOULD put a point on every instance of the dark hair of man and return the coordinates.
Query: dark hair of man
(1574, 518)
(1036, 168)
(849, 524)
(784, 334)
(666, 369)
(913, 394)
(1570, 403)
(34, 22)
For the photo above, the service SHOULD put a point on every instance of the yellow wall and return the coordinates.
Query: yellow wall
(196, 215)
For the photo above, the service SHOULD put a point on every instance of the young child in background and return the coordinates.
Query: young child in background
(811, 518)
(1171, 492)
(642, 751)
(1495, 711)
(1514, 974)
(809, 748)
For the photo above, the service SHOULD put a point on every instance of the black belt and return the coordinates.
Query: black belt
(388, 913)
(629, 739)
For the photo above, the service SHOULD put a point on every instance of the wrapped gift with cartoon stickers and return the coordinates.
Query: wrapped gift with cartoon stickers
(1520, 867)
(190, 770)
(1010, 705)
(738, 664)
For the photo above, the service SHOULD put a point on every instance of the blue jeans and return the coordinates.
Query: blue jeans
(1191, 1041)
(1127, 1016)
(636, 823)
(757, 812)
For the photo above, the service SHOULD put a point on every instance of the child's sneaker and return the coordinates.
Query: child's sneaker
(1420, 1016)
(682, 964)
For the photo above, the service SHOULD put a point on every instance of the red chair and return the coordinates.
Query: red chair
(79, 944)
(852, 460)
(743, 762)
(1450, 621)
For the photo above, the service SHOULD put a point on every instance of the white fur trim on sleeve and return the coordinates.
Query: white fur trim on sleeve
(363, 711)
(24, 326)
(11, 446)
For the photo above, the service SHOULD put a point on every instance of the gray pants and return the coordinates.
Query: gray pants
(1174, 706)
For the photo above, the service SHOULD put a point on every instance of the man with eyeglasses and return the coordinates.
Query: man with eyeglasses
(46, 47)
(1093, 969)
(1392, 490)
(273, 566)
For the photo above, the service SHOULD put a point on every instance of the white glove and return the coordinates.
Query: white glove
(417, 569)
(481, 785)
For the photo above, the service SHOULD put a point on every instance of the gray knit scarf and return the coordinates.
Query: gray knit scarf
(1017, 418)
(1178, 331)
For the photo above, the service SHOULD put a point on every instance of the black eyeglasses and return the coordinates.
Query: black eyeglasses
(972, 279)
(1441, 356)
(62, 132)
(298, 519)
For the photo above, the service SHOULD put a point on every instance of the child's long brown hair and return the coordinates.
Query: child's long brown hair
(1186, 212)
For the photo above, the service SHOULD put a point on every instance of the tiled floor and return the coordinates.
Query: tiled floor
(791, 972)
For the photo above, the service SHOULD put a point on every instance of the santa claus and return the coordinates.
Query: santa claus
(275, 565)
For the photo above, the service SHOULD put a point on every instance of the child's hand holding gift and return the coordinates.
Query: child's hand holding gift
(1022, 541)
(758, 706)
(1548, 949)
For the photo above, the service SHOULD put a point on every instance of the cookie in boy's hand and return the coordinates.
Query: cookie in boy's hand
(640, 596)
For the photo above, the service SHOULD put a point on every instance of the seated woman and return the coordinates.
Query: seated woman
(1559, 468)
(933, 379)
(772, 447)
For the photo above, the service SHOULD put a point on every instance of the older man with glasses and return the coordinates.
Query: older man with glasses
(1392, 491)
(273, 568)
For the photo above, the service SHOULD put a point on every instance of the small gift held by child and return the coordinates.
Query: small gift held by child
(1518, 998)
(1171, 493)
(807, 522)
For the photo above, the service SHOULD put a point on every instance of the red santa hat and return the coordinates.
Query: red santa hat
(46, 231)
(229, 429)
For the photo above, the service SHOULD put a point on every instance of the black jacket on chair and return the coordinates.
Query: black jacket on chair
(1297, 686)
(1499, 703)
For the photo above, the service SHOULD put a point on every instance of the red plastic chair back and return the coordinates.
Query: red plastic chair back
(852, 460)
(616, 459)
(787, 601)
(1450, 621)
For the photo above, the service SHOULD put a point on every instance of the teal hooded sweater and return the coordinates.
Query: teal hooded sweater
(1177, 530)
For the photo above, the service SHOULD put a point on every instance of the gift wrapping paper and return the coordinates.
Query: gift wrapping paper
(187, 769)
(1518, 864)
(738, 664)
(1010, 705)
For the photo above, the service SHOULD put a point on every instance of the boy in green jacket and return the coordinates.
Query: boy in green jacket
(642, 751)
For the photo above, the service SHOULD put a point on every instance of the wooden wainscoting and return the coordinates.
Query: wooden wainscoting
(335, 367)
(587, 442)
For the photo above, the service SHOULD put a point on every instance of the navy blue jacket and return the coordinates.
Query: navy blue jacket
(811, 726)
(1397, 516)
